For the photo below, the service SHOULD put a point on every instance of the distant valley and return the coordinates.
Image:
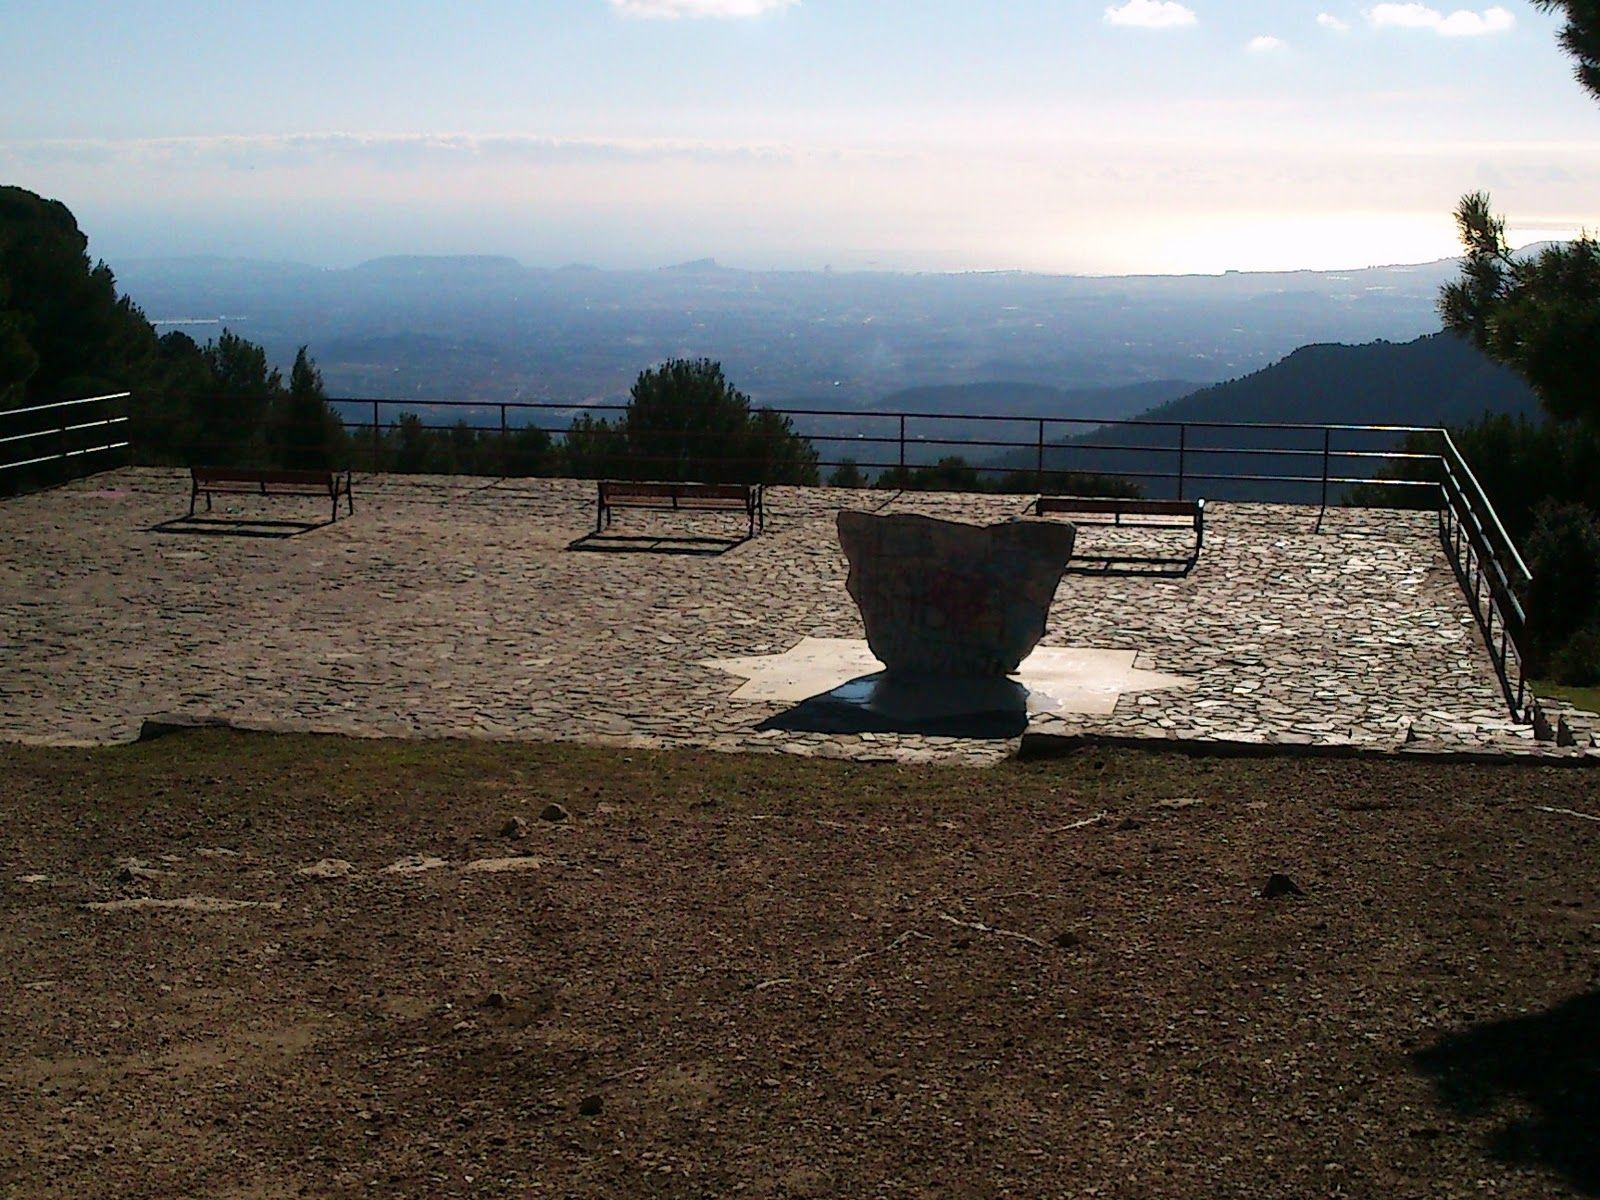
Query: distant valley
(491, 329)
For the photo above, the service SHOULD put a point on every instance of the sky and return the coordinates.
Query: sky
(1135, 136)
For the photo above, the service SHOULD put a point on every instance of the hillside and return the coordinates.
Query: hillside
(1435, 380)
(1037, 400)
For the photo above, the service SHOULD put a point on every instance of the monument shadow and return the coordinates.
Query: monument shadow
(1547, 1064)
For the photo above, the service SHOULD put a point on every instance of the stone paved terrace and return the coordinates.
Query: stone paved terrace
(454, 607)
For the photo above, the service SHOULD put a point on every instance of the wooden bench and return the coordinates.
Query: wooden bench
(250, 481)
(1154, 514)
(680, 497)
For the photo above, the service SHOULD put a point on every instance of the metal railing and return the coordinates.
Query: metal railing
(46, 444)
(1491, 571)
(1155, 453)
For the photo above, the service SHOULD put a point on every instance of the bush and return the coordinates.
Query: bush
(686, 421)
(1563, 552)
(847, 475)
(1577, 663)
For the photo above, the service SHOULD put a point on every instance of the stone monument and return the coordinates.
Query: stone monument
(949, 600)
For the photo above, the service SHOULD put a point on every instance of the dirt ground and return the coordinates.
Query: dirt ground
(266, 967)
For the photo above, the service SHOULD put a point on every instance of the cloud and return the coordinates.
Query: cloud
(673, 9)
(1461, 23)
(1151, 14)
(388, 151)
(1329, 21)
(1264, 44)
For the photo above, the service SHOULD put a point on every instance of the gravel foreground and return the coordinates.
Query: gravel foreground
(250, 966)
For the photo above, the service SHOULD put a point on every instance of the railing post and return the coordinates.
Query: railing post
(505, 443)
(377, 441)
(1183, 450)
(128, 412)
(1327, 446)
(902, 449)
(1038, 470)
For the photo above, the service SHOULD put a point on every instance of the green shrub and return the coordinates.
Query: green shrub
(1563, 552)
(1577, 662)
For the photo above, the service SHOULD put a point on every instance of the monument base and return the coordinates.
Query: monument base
(931, 707)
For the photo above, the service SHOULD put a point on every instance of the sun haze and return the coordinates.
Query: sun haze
(1134, 136)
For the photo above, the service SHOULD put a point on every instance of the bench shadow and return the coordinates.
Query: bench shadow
(987, 709)
(622, 543)
(1130, 564)
(237, 527)
(1547, 1065)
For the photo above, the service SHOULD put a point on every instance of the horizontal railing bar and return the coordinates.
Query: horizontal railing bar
(497, 432)
(58, 430)
(1360, 481)
(96, 449)
(63, 457)
(1467, 515)
(863, 414)
(1493, 571)
(1504, 538)
(54, 404)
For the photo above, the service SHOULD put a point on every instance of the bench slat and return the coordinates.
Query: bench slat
(1186, 514)
(1128, 507)
(627, 490)
(272, 477)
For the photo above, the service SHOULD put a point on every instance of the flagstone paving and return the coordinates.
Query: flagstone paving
(482, 608)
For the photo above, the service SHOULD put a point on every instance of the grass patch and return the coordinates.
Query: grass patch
(1586, 698)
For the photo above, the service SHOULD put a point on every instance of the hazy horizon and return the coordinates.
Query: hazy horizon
(114, 236)
(1518, 239)
(1050, 136)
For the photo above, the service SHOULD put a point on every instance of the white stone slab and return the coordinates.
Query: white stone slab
(1062, 679)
